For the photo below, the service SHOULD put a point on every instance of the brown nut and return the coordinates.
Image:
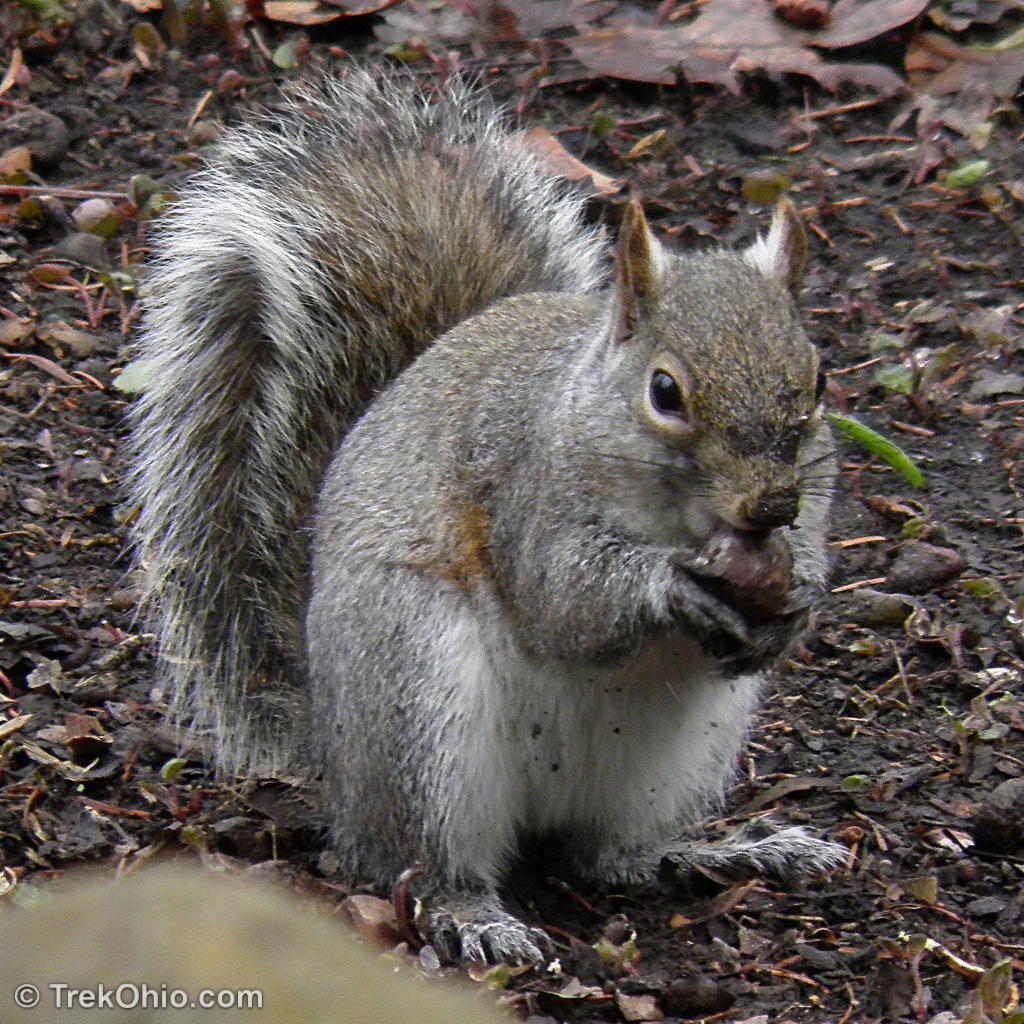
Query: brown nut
(752, 573)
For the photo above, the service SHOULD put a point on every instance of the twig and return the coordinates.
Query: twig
(60, 193)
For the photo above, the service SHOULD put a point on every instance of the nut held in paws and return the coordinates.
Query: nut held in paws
(751, 572)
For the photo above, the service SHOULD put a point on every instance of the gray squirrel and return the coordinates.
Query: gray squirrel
(491, 549)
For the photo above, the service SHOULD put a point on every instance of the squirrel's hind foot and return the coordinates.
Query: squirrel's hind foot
(758, 849)
(472, 928)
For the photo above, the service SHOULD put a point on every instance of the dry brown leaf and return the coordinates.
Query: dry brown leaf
(15, 162)
(638, 1008)
(654, 144)
(310, 12)
(562, 163)
(13, 725)
(374, 919)
(787, 787)
(730, 36)
(959, 86)
(533, 18)
(46, 365)
(14, 332)
(857, 21)
(488, 21)
(13, 69)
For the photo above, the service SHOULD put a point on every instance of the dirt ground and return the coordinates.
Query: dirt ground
(898, 731)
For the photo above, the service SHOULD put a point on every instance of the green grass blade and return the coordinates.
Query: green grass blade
(880, 446)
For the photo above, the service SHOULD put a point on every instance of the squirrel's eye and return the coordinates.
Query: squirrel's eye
(665, 394)
(819, 387)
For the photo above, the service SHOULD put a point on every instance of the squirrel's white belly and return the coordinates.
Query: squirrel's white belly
(622, 755)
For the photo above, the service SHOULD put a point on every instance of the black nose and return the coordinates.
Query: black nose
(772, 509)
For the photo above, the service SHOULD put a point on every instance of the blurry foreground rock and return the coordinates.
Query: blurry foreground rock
(170, 934)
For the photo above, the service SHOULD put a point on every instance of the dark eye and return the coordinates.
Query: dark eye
(819, 387)
(665, 394)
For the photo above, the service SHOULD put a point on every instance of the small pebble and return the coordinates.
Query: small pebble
(920, 568)
(43, 134)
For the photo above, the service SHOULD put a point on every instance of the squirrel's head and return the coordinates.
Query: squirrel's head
(722, 385)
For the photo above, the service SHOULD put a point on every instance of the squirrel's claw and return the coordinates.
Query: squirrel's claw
(475, 929)
(726, 634)
(720, 629)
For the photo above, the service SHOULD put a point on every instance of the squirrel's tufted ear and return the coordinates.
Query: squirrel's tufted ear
(781, 256)
(640, 265)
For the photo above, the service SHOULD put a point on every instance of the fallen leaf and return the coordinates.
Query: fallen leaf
(858, 21)
(534, 18)
(13, 725)
(15, 162)
(961, 86)
(562, 163)
(786, 788)
(374, 919)
(731, 36)
(14, 332)
(310, 12)
(60, 335)
(925, 889)
(990, 383)
(638, 1008)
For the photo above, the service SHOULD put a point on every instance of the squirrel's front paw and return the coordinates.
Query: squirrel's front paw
(770, 639)
(475, 929)
(721, 630)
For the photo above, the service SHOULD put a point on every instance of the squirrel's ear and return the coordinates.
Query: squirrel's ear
(781, 256)
(640, 265)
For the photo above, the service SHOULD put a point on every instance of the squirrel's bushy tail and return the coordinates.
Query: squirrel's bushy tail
(323, 248)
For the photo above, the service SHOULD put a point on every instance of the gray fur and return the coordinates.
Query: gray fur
(315, 256)
(502, 639)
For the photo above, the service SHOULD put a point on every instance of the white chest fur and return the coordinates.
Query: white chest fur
(621, 755)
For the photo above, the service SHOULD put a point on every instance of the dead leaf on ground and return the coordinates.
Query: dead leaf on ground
(561, 162)
(310, 12)
(533, 18)
(639, 1007)
(731, 36)
(506, 20)
(960, 86)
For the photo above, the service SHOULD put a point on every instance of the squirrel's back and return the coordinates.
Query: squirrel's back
(320, 251)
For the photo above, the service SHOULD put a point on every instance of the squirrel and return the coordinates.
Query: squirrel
(489, 543)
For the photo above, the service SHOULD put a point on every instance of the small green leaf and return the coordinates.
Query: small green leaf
(170, 769)
(966, 174)
(764, 187)
(983, 588)
(865, 646)
(497, 977)
(882, 342)
(880, 446)
(405, 53)
(141, 187)
(854, 783)
(286, 56)
(602, 123)
(896, 378)
(996, 731)
(996, 989)
(914, 528)
(135, 377)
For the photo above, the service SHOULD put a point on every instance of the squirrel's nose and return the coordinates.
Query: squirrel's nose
(771, 509)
